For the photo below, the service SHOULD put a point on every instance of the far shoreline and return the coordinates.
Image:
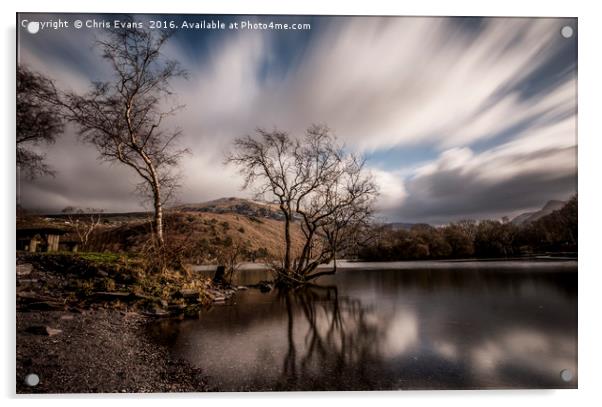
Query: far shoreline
(408, 264)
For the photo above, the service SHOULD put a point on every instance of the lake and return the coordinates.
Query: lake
(382, 326)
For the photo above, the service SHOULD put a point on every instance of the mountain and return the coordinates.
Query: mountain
(529, 217)
(240, 206)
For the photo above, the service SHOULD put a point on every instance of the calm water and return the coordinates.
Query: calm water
(416, 325)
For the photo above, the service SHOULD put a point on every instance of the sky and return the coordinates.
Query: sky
(457, 117)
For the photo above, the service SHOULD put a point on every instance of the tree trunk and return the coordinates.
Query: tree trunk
(335, 239)
(159, 222)
(306, 253)
(334, 267)
(158, 218)
(287, 238)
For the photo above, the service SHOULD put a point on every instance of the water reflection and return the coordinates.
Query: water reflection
(338, 341)
(389, 329)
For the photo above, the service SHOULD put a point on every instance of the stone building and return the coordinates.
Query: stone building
(43, 239)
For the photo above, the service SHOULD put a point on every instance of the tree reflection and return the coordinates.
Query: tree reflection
(336, 340)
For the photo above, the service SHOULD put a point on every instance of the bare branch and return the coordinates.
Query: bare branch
(315, 182)
(123, 118)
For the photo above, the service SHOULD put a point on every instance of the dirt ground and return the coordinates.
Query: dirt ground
(96, 350)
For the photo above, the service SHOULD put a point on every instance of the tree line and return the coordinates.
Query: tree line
(555, 232)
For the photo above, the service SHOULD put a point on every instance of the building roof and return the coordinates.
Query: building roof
(47, 230)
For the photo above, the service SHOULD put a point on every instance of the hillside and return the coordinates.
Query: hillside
(203, 232)
(529, 217)
(206, 231)
(240, 206)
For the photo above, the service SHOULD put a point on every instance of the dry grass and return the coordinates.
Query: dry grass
(203, 236)
(201, 233)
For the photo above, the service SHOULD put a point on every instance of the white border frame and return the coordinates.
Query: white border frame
(590, 280)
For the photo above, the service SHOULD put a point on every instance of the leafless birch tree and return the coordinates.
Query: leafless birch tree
(124, 118)
(85, 222)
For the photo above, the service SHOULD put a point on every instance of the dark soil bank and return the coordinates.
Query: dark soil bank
(98, 350)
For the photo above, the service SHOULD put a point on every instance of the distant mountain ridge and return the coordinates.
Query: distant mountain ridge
(266, 210)
(240, 206)
(529, 217)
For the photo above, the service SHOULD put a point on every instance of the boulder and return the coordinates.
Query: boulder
(24, 269)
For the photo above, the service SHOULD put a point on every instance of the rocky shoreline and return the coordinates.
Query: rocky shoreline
(96, 351)
(83, 329)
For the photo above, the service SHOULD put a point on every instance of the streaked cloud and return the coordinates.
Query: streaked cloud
(491, 101)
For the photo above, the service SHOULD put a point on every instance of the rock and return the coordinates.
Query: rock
(28, 281)
(263, 286)
(24, 269)
(212, 294)
(189, 293)
(160, 313)
(52, 331)
(43, 330)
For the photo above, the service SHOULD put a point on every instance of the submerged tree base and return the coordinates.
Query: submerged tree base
(293, 280)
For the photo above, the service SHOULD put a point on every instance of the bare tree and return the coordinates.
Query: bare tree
(337, 208)
(313, 181)
(38, 120)
(124, 118)
(231, 256)
(84, 222)
(349, 211)
(269, 161)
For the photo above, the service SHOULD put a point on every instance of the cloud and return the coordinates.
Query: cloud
(81, 180)
(391, 189)
(457, 87)
(388, 82)
(518, 175)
